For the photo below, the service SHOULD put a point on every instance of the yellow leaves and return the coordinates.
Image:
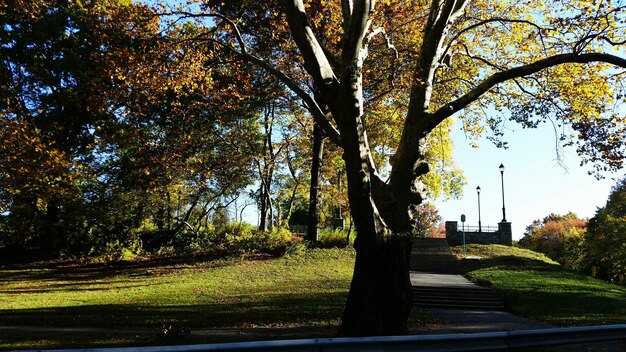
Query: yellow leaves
(583, 88)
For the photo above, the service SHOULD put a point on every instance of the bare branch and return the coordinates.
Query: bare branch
(312, 106)
(233, 25)
(481, 59)
(491, 20)
(608, 40)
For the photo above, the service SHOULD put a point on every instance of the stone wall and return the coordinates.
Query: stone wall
(504, 235)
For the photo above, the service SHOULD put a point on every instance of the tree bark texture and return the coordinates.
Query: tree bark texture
(316, 164)
(265, 166)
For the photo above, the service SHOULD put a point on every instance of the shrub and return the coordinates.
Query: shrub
(335, 237)
(116, 250)
(295, 249)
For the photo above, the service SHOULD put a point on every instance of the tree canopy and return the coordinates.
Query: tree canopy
(606, 236)
(109, 124)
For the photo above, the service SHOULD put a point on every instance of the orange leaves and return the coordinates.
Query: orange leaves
(28, 164)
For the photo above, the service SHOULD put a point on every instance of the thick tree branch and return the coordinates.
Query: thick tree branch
(358, 27)
(442, 14)
(346, 12)
(520, 71)
(315, 61)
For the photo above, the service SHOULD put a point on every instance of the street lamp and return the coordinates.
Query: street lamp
(501, 168)
(480, 229)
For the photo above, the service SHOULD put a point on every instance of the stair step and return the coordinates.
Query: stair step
(457, 306)
(444, 299)
(434, 256)
(427, 291)
(457, 297)
(454, 301)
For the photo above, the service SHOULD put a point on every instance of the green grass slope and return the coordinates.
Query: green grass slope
(534, 286)
(308, 289)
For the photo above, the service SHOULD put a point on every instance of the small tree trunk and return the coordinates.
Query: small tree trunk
(267, 214)
(314, 215)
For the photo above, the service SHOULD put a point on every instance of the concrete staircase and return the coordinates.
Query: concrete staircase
(433, 255)
(437, 283)
(455, 298)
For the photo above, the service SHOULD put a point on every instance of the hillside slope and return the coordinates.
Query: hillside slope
(534, 286)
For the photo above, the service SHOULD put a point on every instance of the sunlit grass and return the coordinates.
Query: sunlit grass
(534, 286)
(307, 289)
(303, 289)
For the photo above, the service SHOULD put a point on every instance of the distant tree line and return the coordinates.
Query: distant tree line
(596, 246)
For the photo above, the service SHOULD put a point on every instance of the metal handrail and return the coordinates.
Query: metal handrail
(487, 341)
(484, 228)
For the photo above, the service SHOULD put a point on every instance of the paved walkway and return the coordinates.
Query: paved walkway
(463, 306)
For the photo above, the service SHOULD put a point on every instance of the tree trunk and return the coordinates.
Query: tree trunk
(266, 204)
(316, 163)
(380, 295)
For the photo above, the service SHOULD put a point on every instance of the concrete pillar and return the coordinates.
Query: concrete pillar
(506, 234)
(452, 232)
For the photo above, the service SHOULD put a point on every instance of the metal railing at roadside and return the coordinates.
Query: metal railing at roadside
(488, 341)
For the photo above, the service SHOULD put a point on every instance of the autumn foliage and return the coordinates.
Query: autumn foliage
(560, 237)
(113, 133)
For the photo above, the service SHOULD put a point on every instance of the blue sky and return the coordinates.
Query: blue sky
(534, 183)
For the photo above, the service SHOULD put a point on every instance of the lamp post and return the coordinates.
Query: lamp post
(501, 168)
(480, 228)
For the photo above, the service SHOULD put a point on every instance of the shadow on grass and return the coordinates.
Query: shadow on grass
(566, 308)
(271, 310)
(76, 287)
(79, 272)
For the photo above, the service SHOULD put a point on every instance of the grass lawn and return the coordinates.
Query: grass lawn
(533, 286)
(307, 289)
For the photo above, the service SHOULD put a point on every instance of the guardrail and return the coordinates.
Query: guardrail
(488, 341)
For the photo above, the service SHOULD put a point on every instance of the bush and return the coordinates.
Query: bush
(116, 250)
(295, 249)
(335, 237)
(239, 238)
